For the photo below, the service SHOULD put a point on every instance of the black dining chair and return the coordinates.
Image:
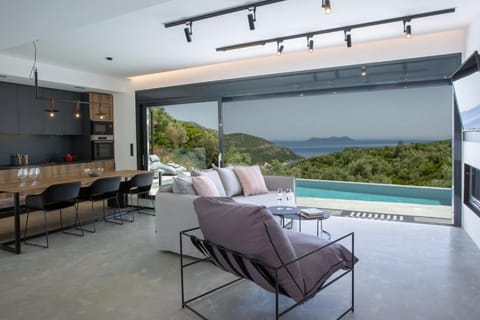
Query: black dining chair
(102, 189)
(55, 197)
(139, 185)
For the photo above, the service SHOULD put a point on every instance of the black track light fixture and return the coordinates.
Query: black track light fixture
(188, 31)
(310, 43)
(327, 8)
(346, 29)
(348, 37)
(407, 28)
(252, 18)
(279, 48)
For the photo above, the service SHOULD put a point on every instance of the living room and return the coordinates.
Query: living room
(73, 42)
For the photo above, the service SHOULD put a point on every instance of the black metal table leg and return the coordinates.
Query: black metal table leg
(16, 204)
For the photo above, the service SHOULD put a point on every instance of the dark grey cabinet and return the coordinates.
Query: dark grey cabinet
(30, 111)
(33, 119)
(8, 108)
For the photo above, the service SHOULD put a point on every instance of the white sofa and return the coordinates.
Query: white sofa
(175, 212)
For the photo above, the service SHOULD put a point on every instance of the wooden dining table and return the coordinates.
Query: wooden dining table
(16, 188)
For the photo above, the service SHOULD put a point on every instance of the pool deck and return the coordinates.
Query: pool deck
(419, 212)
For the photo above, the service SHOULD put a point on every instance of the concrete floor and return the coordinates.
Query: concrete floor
(406, 271)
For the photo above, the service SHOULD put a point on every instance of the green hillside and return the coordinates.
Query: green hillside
(420, 164)
(259, 150)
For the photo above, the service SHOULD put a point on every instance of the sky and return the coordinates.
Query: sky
(412, 113)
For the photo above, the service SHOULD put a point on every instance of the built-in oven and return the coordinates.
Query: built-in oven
(101, 128)
(102, 147)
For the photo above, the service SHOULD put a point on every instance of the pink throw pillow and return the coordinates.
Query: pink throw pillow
(204, 186)
(251, 179)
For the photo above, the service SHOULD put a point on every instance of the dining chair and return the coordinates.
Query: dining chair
(102, 189)
(55, 197)
(138, 185)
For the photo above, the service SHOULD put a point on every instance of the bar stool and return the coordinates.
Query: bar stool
(55, 197)
(102, 189)
(138, 185)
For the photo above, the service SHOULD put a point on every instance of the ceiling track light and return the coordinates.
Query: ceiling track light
(188, 31)
(348, 38)
(310, 44)
(252, 18)
(327, 8)
(279, 48)
(348, 28)
(407, 28)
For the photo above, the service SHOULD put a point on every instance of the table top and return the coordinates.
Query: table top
(292, 212)
(43, 183)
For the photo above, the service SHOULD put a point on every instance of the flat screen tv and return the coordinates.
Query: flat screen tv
(466, 83)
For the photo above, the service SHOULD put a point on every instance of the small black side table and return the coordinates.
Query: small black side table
(290, 212)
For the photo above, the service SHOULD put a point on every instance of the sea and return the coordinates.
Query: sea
(309, 149)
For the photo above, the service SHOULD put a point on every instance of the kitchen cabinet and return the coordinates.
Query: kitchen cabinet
(64, 122)
(101, 107)
(30, 110)
(8, 108)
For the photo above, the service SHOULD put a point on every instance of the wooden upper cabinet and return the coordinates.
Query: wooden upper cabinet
(102, 108)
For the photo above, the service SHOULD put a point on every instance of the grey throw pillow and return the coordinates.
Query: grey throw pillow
(183, 184)
(251, 230)
(230, 181)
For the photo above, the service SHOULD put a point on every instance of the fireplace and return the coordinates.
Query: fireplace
(471, 196)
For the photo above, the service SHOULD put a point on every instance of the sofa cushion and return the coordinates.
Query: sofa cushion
(251, 179)
(204, 186)
(228, 223)
(229, 180)
(319, 266)
(183, 184)
(213, 175)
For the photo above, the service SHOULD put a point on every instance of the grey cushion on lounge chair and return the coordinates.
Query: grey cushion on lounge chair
(253, 231)
(228, 223)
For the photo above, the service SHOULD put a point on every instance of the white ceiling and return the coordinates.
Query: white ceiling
(80, 34)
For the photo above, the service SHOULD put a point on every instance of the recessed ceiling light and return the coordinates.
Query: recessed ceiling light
(109, 58)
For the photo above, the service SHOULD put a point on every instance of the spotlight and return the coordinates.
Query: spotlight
(279, 48)
(327, 8)
(252, 17)
(407, 29)
(310, 43)
(188, 32)
(348, 38)
(364, 71)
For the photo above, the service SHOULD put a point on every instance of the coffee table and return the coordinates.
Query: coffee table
(291, 212)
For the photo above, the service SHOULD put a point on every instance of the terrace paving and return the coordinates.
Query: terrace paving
(389, 210)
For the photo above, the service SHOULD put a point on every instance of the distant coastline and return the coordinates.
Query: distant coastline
(320, 146)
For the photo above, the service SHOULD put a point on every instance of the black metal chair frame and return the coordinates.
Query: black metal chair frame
(94, 197)
(135, 186)
(206, 248)
(56, 205)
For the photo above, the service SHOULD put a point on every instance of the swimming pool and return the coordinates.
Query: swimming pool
(372, 192)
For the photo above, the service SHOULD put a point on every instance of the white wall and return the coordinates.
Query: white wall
(125, 130)
(471, 150)
(52, 76)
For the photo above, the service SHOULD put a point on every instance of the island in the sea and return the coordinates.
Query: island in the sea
(332, 139)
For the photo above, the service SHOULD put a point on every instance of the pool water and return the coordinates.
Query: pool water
(346, 195)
